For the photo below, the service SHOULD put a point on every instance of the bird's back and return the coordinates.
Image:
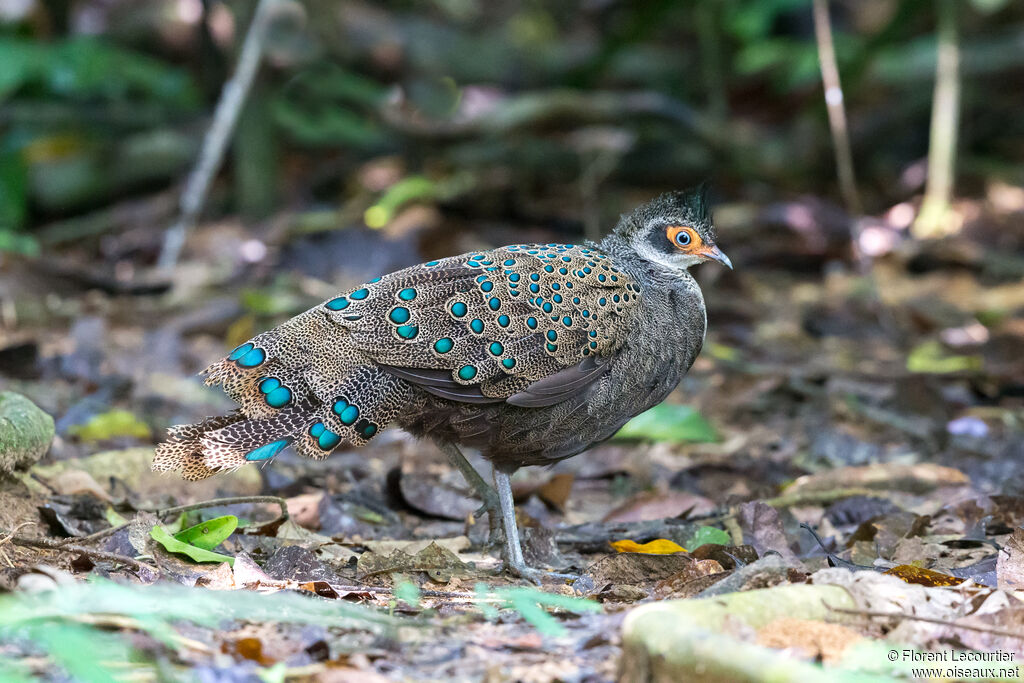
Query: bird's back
(530, 352)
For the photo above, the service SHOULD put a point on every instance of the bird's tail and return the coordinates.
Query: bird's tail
(300, 384)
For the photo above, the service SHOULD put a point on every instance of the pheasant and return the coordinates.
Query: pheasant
(529, 353)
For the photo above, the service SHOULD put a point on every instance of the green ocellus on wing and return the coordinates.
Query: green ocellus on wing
(531, 353)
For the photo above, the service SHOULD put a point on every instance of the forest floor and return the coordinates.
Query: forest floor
(879, 405)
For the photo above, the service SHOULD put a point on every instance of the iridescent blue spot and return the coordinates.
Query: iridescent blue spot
(252, 358)
(376, 279)
(547, 307)
(399, 315)
(593, 345)
(240, 351)
(359, 294)
(602, 301)
(369, 430)
(279, 397)
(509, 363)
(503, 320)
(316, 429)
(407, 294)
(563, 271)
(487, 286)
(473, 264)
(339, 406)
(552, 335)
(534, 277)
(567, 321)
(510, 262)
(569, 285)
(491, 269)
(459, 309)
(494, 303)
(496, 348)
(338, 304)
(266, 452)
(549, 269)
(566, 259)
(593, 333)
(555, 286)
(349, 415)
(477, 325)
(431, 263)
(328, 440)
(615, 298)
(586, 313)
(551, 347)
(601, 278)
(587, 270)
(615, 278)
(625, 297)
(467, 372)
(514, 277)
(531, 323)
(534, 288)
(275, 395)
(444, 345)
(557, 298)
(408, 331)
(575, 299)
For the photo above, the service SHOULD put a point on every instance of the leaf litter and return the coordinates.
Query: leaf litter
(901, 452)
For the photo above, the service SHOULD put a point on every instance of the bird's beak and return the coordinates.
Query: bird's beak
(716, 254)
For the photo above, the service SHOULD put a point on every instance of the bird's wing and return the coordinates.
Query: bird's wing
(528, 324)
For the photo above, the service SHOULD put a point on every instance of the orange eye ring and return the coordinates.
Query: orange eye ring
(682, 237)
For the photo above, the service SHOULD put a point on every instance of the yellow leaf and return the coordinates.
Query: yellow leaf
(660, 546)
(924, 577)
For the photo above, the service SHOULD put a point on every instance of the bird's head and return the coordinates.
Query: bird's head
(673, 230)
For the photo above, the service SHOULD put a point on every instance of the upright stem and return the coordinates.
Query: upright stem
(836, 110)
(232, 97)
(942, 142)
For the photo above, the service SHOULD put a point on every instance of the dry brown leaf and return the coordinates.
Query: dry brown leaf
(919, 478)
(651, 506)
(556, 491)
(304, 509)
(923, 577)
(1010, 563)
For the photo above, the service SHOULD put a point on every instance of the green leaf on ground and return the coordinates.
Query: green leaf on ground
(109, 425)
(173, 545)
(209, 534)
(669, 422)
(931, 358)
(708, 534)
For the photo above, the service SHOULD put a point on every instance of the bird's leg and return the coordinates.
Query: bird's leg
(513, 550)
(492, 506)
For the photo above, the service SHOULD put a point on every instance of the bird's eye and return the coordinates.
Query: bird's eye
(681, 236)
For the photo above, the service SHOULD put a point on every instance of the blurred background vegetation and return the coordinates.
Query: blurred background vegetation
(559, 113)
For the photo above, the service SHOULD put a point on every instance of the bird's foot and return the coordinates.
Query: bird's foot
(535, 576)
(493, 512)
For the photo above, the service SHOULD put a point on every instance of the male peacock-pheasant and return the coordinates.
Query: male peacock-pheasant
(529, 353)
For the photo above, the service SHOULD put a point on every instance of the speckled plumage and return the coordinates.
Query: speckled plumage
(531, 353)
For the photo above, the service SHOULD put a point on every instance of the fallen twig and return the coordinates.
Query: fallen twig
(143, 569)
(930, 620)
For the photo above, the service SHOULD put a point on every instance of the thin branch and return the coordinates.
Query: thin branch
(836, 110)
(91, 553)
(232, 97)
(930, 620)
(932, 220)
